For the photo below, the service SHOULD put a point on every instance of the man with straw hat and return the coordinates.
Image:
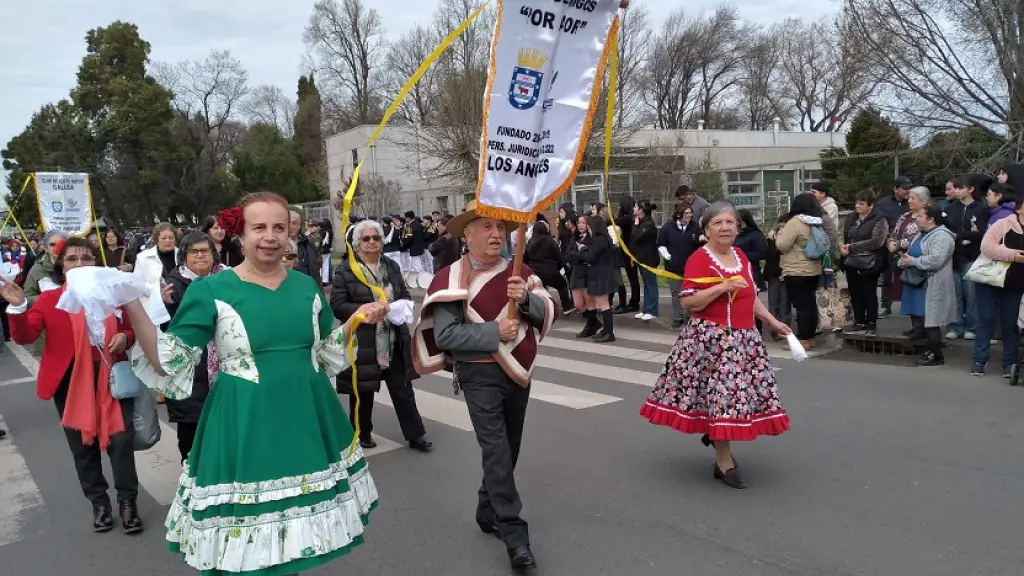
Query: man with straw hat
(465, 326)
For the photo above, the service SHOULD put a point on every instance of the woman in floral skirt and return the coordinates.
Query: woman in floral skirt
(718, 380)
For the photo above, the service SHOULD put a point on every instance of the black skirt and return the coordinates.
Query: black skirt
(601, 282)
(578, 277)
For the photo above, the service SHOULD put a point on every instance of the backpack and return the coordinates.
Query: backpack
(817, 244)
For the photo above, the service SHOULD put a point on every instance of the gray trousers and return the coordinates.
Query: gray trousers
(679, 314)
(778, 302)
(497, 408)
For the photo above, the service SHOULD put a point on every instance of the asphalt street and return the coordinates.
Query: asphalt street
(889, 470)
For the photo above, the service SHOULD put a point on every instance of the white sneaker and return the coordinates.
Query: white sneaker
(968, 335)
(639, 316)
(951, 335)
(647, 317)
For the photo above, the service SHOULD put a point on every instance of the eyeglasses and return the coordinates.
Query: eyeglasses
(368, 239)
(199, 252)
(86, 259)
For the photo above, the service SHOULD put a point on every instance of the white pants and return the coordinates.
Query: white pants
(325, 269)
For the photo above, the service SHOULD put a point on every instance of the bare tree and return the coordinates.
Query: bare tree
(948, 64)
(449, 134)
(404, 57)
(635, 38)
(207, 96)
(722, 43)
(374, 196)
(826, 74)
(269, 105)
(674, 65)
(346, 42)
(760, 99)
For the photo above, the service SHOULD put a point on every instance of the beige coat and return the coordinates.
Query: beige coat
(791, 241)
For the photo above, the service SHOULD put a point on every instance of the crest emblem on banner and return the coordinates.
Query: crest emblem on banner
(524, 91)
(57, 206)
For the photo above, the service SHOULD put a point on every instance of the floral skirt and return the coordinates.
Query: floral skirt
(720, 382)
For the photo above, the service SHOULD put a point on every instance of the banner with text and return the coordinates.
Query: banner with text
(65, 203)
(547, 62)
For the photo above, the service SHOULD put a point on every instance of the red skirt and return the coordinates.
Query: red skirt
(718, 382)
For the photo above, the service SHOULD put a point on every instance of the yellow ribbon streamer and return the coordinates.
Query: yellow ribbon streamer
(717, 280)
(613, 80)
(10, 206)
(378, 292)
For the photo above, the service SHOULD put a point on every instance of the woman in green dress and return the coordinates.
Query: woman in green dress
(274, 484)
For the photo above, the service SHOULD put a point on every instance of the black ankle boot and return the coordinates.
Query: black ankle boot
(608, 331)
(591, 326)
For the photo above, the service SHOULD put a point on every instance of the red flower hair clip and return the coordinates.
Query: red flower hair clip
(59, 248)
(232, 221)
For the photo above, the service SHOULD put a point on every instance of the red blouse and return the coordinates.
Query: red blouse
(737, 313)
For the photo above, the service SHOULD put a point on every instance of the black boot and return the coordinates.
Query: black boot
(102, 521)
(591, 326)
(608, 331)
(130, 521)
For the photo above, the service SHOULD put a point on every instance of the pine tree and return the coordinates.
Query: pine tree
(308, 138)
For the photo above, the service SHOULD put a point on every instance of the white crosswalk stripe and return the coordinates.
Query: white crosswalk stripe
(19, 494)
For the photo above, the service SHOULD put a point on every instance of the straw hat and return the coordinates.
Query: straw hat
(457, 225)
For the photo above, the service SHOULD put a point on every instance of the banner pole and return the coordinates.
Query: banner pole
(517, 268)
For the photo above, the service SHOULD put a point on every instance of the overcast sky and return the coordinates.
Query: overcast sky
(43, 43)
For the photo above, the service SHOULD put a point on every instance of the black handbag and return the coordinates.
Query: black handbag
(861, 262)
(913, 277)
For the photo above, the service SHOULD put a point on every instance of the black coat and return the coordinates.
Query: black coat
(446, 250)
(413, 240)
(190, 409)
(347, 295)
(681, 243)
(755, 246)
(543, 255)
(643, 243)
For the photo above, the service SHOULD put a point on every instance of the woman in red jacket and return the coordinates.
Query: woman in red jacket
(73, 374)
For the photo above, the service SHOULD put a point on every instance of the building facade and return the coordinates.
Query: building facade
(757, 170)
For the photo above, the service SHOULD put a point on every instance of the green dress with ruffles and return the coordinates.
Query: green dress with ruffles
(273, 485)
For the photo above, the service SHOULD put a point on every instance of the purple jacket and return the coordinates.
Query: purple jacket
(999, 212)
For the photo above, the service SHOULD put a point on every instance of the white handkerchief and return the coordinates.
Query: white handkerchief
(9, 271)
(796, 348)
(99, 291)
(401, 312)
(46, 284)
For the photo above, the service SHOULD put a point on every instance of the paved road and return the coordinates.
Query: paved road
(888, 471)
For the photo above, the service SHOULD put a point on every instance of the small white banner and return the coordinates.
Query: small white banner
(65, 203)
(547, 62)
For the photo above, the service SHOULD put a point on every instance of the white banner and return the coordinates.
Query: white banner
(547, 62)
(65, 203)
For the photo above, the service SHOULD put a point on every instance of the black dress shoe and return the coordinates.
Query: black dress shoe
(130, 521)
(730, 477)
(102, 520)
(368, 443)
(522, 559)
(421, 444)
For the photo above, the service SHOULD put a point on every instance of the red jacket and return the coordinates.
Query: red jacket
(60, 343)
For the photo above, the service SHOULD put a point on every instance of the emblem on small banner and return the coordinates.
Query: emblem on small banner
(527, 79)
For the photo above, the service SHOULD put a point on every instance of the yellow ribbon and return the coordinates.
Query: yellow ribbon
(10, 207)
(609, 122)
(378, 292)
(716, 280)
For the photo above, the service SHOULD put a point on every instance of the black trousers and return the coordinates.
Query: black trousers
(557, 281)
(801, 291)
(863, 295)
(88, 462)
(402, 397)
(186, 438)
(933, 335)
(885, 282)
(497, 408)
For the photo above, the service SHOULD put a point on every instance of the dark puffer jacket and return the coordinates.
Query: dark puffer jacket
(347, 295)
(190, 409)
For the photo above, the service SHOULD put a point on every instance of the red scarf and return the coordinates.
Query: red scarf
(90, 408)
